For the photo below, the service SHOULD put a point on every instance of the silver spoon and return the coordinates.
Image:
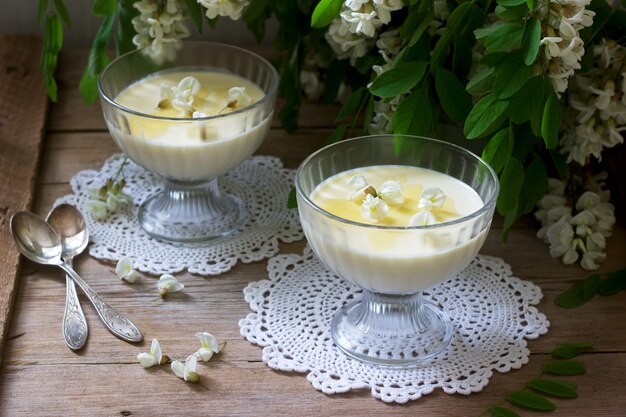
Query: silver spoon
(70, 225)
(37, 241)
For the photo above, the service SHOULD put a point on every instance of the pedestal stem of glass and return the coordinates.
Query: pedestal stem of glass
(391, 330)
(191, 212)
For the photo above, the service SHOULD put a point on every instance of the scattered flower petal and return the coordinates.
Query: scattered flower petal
(187, 370)
(125, 270)
(168, 284)
(210, 345)
(154, 357)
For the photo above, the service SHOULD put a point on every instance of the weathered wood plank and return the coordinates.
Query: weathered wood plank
(22, 117)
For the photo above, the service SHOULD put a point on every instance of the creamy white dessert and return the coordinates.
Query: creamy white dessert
(183, 146)
(385, 254)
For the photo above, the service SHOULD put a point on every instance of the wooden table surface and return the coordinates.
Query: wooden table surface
(41, 376)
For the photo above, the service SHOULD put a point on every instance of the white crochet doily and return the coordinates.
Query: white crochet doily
(261, 182)
(492, 312)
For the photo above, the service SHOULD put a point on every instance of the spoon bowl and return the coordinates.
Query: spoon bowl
(69, 224)
(35, 239)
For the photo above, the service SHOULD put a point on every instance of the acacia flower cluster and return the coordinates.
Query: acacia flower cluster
(577, 230)
(230, 8)
(353, 32)
(157, 24)
(561, 21)
(598, 105)
(107, 199)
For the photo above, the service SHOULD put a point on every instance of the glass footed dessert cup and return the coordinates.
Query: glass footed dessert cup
(191, 208)
(391, 324)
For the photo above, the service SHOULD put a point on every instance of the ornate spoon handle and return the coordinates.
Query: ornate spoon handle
(75, 328)
(115, 321)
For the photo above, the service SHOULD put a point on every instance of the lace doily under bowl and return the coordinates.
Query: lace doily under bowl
(261, 182)
(493, 314)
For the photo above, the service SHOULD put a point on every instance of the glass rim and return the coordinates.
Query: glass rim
(267, 97)
(487, 206)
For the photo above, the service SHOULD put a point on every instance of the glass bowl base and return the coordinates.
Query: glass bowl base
(391, 330)
(192, 213)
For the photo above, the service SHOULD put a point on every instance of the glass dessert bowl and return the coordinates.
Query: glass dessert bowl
(191, 114)
(394, 215)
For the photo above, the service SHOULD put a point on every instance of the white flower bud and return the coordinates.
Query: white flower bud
(423, 218)
(391, 192)
(373, 208)
(432, 197)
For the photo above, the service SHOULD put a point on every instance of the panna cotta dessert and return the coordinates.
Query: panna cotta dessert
(383, 258)
(190, 116)
(206, 141)
(394, 215)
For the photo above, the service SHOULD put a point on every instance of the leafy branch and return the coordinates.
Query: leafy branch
(532, 395)
(583, 291)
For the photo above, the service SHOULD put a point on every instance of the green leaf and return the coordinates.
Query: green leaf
(414, 115)
(553, 387)
(510, 186)
(564, 368)
(615, 282)
(573, 297)
(399, 79)
(530, 40)
(493, 59)
(195, 12)
(511, 75)
(454, 99)
(352, 104)
(325, 12)
(551, 121)
(442, 47)
(509, 3)
(591, 286)
(571, 350)
(535, 185)
(461, 58)
(511, 13)
(482, 82)
(498, 150)
(104, 7)
(337, 134)
(96, 62)
(559, 162)
(125, 30)
(527, 100)
(41, 10)
(485, 116)
(335, 73)
(502, 412)
(62, 11)
(530, 400)
(531, 4)
(53, 41)
(509, 219)
(419, 31)
(292, 200)
(507, 37)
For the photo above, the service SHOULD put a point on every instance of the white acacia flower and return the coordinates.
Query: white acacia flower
(358, 183)
(311, 85)
(187, 370)
(97, 208)
(384, 8)
(159, 26)
(432, 197)
(423, 218)
(210, 346)
(125, 270)
(391, 192)
(230, 8)
(361, 22)
(168, 284)
(198, 115)
(373, 208)
(154, 357)
(238, 97)
(344, 43)
(181, 96)
(583, 222)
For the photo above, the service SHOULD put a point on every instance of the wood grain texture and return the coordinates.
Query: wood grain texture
(41, 376)
(22, 118)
